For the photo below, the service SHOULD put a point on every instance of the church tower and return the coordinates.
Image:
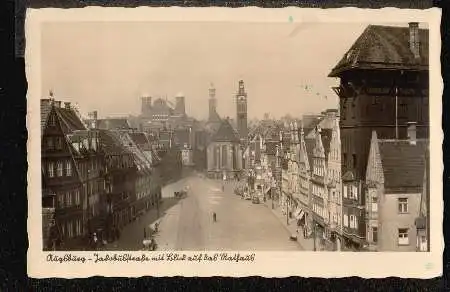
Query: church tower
(212, 104)
(241, 112)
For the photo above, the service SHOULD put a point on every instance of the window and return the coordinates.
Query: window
(51, 120)
(68, 199)
(345, 191)
(61, 200)
(68, 168)
(77, 197)
(59, 168)
(345, 220)
(354, 160)
(344, 159)
(51, 169)
(403, 205)
(355, 192)
(69, 229)
(353, 222)
(58, 143)
(403, 236)
(50, 145)
(63, 230)
(375, 234)
(78, 230)
(374, 204)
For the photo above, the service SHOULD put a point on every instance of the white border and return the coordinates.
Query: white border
(268, 264)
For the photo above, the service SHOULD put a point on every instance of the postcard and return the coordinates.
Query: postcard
(234, 142)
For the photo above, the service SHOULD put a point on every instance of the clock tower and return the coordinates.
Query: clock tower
(241, 112)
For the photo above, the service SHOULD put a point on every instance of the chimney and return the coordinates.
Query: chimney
(67, 105)
(414, 39)
(412, 133)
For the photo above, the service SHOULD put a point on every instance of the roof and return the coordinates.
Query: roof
(326, 134)
(225, 133)
(403, 163)
(384, 47)
(113, 124)
(110, 144)
(141, 161)
(310, 144)
(70, 120)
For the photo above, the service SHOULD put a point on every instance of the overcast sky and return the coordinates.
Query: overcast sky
(108, 66)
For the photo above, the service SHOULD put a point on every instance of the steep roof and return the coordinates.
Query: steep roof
(113, 124)
(271, 148)
(225, 133)
(326, 134)
(182, 136)
(310, 144)
(110, 144)
(384, 47)
(403, 163)
(70, 121)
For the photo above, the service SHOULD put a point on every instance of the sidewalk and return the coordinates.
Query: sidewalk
(306, 243)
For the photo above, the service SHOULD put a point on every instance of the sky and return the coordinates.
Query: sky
(108, 66)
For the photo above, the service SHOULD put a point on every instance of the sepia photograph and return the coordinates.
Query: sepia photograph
(195, 136)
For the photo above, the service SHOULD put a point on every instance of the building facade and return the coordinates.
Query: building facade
(224, 155)
(383, 86)
(395, 184)
(241, 113)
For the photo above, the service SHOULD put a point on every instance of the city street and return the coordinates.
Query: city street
(240, 224)
(187, 224)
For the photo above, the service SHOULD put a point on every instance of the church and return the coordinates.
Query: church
(224, 151)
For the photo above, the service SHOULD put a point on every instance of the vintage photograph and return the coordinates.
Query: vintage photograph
(252, 136)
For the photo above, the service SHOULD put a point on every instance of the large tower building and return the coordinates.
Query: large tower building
(212, 104)
(241, 112)
(383, 87)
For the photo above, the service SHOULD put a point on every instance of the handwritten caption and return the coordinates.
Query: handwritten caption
(97, 258)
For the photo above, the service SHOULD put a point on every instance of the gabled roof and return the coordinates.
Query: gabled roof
(310, 144)
(403, 163)
(140, 160)
(113, 124)
(110, 144)
(225, 133)
(325, 135)
(70, 122)
(182, 136)
(384, 47)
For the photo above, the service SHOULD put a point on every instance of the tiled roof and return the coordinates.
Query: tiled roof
(139, 138)
(140, 159)
(384, 47)
(113, 124)
(403, 164)
(110, 144)
(310, 144)
(325, 134)
(69, 120)
(225, 133)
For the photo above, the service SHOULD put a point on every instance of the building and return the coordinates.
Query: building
(383, 86)
(334, 187)
(319, 187)
(241, 113)
(395, 185)
(64, 200)
(224, 155)
(163, 113)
